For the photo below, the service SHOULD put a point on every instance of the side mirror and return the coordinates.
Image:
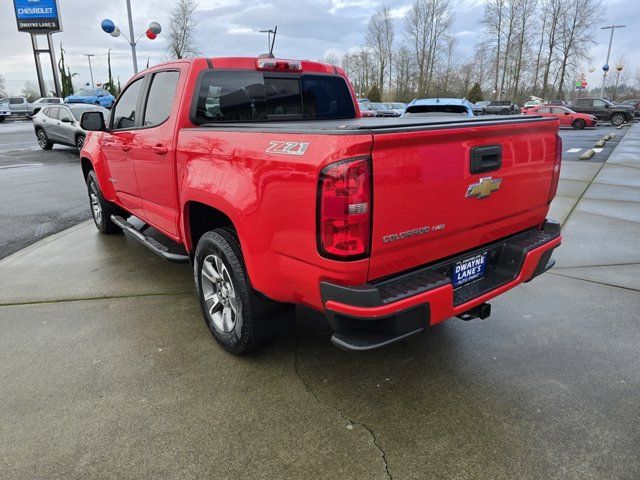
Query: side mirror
(100, 94)
(93, 122)
(566, 113)
(66, 120)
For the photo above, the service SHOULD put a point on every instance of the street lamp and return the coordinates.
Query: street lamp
(89, 55)
(605, 67)
(152, 32)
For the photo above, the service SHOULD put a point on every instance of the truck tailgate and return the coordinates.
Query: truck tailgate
(425, 207)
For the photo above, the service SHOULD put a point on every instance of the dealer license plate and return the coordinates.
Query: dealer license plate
(469, 269)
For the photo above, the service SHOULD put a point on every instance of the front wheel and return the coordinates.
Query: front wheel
(236, 316)
(617, 119)
(579, 124)
(101, 209)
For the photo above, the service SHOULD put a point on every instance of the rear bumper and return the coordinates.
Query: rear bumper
(382, 312)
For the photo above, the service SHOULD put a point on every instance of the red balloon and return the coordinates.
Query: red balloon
(151, 35)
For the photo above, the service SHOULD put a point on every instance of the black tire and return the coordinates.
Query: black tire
(617, 119)
(43, 140)
(579, 124)
(101, 209)
(226, 290)
(80, 141)
(2, 118)
(504, 111)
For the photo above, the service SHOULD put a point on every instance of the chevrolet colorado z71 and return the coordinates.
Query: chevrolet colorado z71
(263, 175)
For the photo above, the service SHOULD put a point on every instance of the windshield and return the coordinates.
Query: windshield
(426, 110)
(378, 106)
(87, 92)
(395, 105)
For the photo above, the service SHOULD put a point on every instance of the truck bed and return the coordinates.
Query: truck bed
(354, 126)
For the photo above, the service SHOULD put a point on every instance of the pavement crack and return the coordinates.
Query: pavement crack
(342, 415)
(595, 281)
(88, 299)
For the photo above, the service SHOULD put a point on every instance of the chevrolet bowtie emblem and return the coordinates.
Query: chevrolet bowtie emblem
(485, 187)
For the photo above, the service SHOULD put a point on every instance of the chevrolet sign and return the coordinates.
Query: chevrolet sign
(485, 187)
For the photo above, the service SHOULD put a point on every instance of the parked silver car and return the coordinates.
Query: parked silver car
(39, 104)
(61, 124)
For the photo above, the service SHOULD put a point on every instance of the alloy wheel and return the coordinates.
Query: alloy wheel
(96, 208)
(222, 305)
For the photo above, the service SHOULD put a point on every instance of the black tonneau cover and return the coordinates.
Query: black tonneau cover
(377, 124)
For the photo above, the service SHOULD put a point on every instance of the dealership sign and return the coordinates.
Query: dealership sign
(37, 16)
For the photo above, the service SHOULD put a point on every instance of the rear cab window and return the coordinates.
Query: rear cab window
(248, 96)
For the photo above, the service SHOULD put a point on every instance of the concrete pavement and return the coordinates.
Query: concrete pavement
(107, 369)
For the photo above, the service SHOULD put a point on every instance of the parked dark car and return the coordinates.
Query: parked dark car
(604, 110)
(636, 106)
(382, 110)
(501, 107)
(478, 107)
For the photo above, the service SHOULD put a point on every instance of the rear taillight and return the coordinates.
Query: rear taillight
(344, 209)
(556, 169)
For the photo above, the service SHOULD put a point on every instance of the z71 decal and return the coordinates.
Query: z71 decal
(287, 148)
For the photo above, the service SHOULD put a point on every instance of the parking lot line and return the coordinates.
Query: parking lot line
(574, 150)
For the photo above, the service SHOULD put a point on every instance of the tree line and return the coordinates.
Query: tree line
(524, 48)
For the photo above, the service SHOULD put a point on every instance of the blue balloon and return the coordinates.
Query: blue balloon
(605, 67)
(107, 25)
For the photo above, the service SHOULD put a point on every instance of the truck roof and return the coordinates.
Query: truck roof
(251, 63)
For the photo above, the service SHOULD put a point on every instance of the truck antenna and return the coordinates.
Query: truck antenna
(270, 41)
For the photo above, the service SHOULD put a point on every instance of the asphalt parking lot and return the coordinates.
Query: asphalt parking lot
(576, 142)
(108, 371)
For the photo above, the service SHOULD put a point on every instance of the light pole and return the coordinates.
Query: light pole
(89, 55)
(152, 32)
(605, 67)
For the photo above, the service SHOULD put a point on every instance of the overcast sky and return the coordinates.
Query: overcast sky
(307, 29)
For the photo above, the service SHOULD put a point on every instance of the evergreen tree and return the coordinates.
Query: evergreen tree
(475, 94)
(374, 94)
(65, 75)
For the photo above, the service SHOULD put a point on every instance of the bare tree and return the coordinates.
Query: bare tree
(553, 10)
(426, 25)
(3, 87)
(494, 12)
(379, 39)
(182, 23)
(576, 19)
(30, 91)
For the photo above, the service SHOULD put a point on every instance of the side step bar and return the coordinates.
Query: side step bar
(151, 243)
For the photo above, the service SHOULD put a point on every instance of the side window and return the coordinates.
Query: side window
(160, 99)
(64, 114)
(599, 103)
(52, 112)
(124, 112)
(544, 110)
(229, 96)
(557, 111)
(16, 101)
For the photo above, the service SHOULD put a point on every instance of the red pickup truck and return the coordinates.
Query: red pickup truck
(262, 174)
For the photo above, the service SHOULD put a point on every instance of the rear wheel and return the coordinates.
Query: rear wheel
(43, 140)
(504, 111)
(2, 118)
(101, 209)
(617, 119)
(237, 317)
(579, 124)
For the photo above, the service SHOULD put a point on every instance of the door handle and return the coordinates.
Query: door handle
(160, 149)
(125, 147)
(486, 159)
